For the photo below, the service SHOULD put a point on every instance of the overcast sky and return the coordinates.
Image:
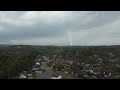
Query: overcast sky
(52, 27)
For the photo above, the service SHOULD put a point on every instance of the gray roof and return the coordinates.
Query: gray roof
(36, 66)
(56, 74)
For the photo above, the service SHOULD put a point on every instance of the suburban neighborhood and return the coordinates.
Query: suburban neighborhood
(39, 68)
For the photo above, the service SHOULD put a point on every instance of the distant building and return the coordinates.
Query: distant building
(29, 73)
(56, 76)
(40, 71)
(23, 75)
(38, 60)
(35, 68)
(37, 63)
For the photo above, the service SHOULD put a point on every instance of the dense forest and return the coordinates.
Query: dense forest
(15, 59)
(99, 62)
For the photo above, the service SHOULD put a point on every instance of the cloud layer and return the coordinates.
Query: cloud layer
(52, 27)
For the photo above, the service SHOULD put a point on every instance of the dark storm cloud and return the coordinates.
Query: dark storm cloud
(53, 25)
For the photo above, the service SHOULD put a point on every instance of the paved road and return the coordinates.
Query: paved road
(48, 71)
(46, 75)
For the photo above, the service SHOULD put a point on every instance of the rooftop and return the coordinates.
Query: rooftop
(56, 74)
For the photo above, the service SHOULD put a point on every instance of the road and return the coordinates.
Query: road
(49, 72)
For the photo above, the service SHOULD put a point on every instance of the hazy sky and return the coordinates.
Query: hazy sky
(52, 27)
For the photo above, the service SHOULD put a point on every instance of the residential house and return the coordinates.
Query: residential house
(29, 73)
(87, 65)
(38, 60)
(23, 75)
(40, 71)
(37, 63)
(56, 76)
(67, 69)
(35, 68)
(107, 74)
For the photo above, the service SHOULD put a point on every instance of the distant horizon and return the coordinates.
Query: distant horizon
(55, 45)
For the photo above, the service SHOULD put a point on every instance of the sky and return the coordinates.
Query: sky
(53, 27)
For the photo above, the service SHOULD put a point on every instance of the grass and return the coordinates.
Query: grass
(34, 75)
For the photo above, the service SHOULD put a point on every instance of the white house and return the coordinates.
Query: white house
(36, 67)
(23, 75)
(56, 76)
(40, 71)
(29, 73)
(38, 60)
(37, 63)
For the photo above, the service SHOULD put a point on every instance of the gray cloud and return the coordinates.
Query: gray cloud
(87, 27)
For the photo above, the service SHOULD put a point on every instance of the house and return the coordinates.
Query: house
(66, 72)
(107, 74)
(37, 63)
(97, 71)
(67, 69)
(56, 76)
(91, 71)
(23, 75)
(85, 75)
(87, 65)
(35, 68)
(38, 60)
(42, 61)
(29, 73)
(40, 71)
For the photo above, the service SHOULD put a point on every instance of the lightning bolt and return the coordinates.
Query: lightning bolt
(70, 39)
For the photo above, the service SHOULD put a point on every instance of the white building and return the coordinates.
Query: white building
(56, 76)
(37, 63)
(40, 71)
(23, 75)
